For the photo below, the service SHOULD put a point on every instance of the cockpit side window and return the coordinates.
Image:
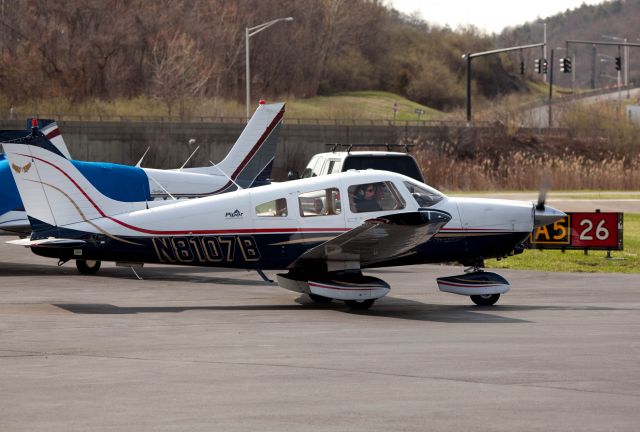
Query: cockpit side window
(378, 196)
(425, 197)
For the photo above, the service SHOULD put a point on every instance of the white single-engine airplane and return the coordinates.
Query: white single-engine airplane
(248, 164)
(319, 229)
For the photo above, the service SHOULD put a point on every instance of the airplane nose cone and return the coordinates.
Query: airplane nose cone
(547, 215)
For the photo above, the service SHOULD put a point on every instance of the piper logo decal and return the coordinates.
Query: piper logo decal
(235, 214)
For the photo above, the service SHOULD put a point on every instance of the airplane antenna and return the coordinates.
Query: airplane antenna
(191, 141)
(145, 153)
(263, 276)
(225, 174)
(161, 187)
(135, 273)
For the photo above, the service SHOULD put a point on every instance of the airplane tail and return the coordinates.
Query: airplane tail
(250, 160)
(54, 191)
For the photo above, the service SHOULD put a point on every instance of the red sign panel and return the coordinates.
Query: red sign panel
(580, 231)
(594, 230)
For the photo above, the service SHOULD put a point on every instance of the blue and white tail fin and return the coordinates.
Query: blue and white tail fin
(50, 129)
(54, 192)
(249, 161)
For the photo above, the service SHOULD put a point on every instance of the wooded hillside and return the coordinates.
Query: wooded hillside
(618, 18)
(172, 49)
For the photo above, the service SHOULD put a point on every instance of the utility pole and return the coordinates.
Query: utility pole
(551, 89)
(593, 67)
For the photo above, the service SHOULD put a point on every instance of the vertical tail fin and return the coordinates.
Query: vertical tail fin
(54, 192)
(253, 153)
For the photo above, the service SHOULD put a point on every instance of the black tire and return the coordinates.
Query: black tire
(320, 299)
(88, 267)
(361, 305)
(485, 300)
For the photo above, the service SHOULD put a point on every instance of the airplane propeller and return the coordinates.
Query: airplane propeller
(545, 215)
(542, 194)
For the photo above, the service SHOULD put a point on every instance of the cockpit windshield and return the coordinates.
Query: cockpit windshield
(423, 194)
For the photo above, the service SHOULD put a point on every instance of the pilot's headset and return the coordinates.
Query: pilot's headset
(361, 191)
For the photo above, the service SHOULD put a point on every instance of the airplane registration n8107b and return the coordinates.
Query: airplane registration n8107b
(322, 231)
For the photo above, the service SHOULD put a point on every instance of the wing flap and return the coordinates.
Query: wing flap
(378, 240)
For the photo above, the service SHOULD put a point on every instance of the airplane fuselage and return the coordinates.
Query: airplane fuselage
(243, 230)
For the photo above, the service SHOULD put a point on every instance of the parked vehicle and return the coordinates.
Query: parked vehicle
(340, 161)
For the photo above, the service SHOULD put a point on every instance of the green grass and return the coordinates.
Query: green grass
(375, 105)
(369, 105)
(626, 261)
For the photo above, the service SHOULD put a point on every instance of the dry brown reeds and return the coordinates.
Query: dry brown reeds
(524, 171)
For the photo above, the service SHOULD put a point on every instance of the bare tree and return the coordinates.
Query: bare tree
(180, 70)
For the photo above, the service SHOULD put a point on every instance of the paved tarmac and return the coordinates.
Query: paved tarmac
(191, 349)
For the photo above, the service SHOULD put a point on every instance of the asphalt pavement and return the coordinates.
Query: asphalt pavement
(193, 349)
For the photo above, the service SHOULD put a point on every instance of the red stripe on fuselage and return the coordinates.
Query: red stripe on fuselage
(148, 231)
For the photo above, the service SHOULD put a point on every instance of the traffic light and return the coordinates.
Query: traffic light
(521, 68)
(565, 65)
(536, 66)
(545, 66)
(618, 63)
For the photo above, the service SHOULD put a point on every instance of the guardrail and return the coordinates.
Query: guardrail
(242, 120)
(570, 97)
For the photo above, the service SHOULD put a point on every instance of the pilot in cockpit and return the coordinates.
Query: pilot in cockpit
(366, 199)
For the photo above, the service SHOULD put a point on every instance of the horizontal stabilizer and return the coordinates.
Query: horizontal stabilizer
(50, 242)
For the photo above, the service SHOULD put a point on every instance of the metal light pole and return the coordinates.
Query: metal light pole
(248, 32)
(470, 56)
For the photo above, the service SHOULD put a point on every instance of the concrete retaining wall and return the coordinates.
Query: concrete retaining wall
(126, 142)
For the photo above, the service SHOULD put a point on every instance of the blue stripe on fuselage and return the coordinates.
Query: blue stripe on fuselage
(118, 182)
(9, 196)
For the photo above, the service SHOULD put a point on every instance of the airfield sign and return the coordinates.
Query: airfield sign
(580, 230)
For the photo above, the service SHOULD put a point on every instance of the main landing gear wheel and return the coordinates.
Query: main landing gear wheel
(486, 299)
(359, 305)
(88, 267)
(320, 299)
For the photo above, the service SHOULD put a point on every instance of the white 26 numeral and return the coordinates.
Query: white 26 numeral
(602, 233)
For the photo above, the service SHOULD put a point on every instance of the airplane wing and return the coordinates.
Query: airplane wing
(377, 240)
